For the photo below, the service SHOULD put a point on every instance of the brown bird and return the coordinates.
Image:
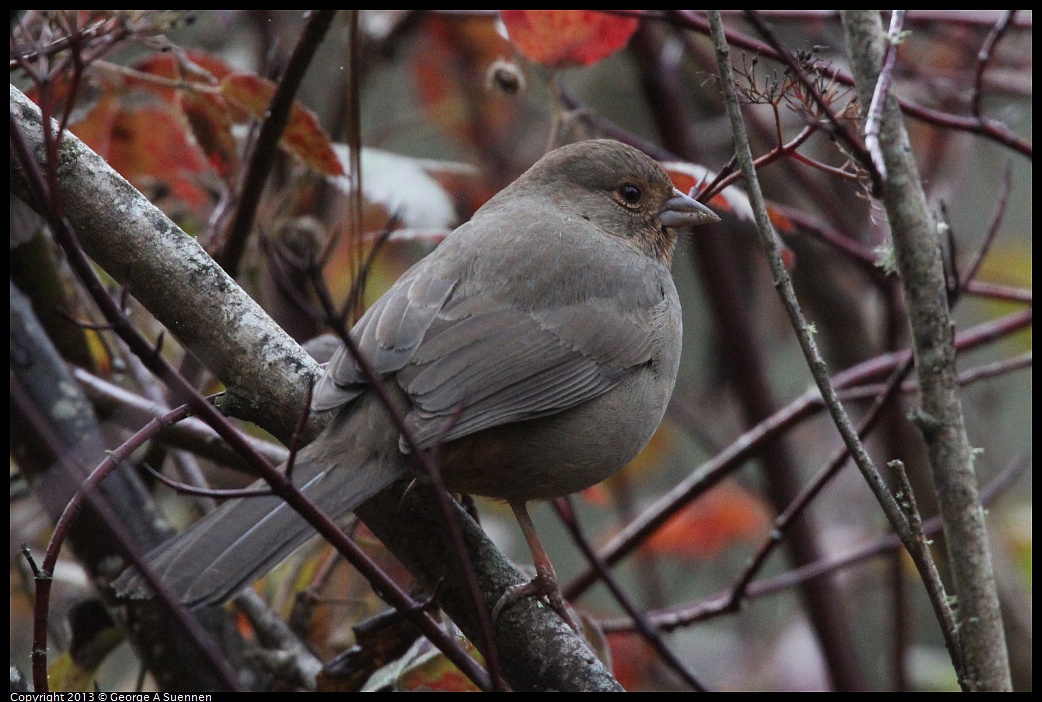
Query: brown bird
(538, 344)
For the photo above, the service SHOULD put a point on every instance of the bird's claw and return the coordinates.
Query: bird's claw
(543, 584)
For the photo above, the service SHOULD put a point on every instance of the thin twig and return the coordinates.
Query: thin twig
(720, 604)
(87, 493)
(265, 149)
(997, 291)
(841, 130)
(566, 511)
(830, 470)
(945, 616)
(886, 76)
(354, 133)
(989, 129)
(192, 434)
(186, 489)
(984, 56)
(996, 220)
(778, 153)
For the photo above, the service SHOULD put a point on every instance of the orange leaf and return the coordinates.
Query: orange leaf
(303, 137)
(94, 125)
(726, 513)
(149, 145)
(449, 65)
(559, 38)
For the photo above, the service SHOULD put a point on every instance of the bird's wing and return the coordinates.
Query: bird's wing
(388, 335)
(485, 363)
(470, 357)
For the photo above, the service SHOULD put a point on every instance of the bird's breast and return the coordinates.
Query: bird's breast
(563, 453)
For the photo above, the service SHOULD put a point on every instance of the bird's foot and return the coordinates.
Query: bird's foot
(543, 584)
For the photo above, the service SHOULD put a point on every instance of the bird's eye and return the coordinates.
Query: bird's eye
(630, 194)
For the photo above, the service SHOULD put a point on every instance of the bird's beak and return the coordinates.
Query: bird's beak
(683, 211)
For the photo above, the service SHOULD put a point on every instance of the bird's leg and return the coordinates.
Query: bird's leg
(545, 581)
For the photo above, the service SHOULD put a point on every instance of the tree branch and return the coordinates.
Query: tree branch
(940, 418)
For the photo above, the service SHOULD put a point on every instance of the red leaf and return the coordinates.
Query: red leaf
(149, 145)
(212, 127)
(303, 137)
(449, 67)
(193, 66)
(95, 124)
(724, 514)
(732, 202)
(632, 660)
(559, 38)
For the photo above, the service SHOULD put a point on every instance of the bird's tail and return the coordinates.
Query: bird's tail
(353, 459)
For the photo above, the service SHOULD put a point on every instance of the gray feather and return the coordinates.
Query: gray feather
(246, 537)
